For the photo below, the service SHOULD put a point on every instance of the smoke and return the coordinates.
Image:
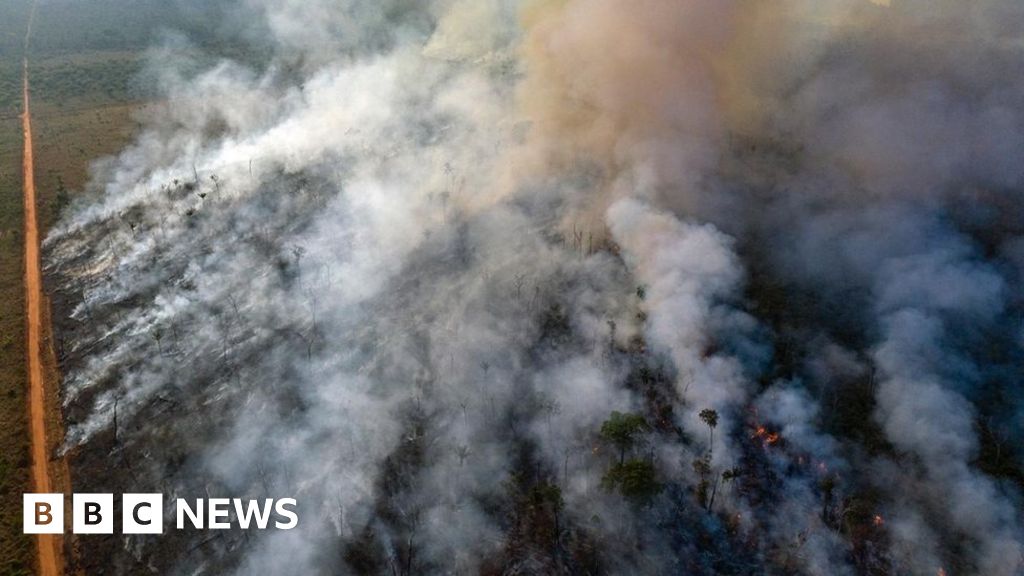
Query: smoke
(692, 278)
(407, 269)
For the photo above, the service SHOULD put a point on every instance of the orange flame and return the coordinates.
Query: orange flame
(768, 437)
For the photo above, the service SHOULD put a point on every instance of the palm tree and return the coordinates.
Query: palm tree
(710, 417)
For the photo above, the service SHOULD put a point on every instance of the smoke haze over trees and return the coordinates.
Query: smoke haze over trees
(565, 286)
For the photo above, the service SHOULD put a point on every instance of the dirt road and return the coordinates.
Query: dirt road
(49, 545)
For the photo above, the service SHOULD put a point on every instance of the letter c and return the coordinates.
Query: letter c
(135, 514)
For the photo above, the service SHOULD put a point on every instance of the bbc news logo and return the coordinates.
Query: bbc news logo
(144, 514)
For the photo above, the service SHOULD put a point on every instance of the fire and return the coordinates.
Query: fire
(878, 520)
(941, 572)
(769, 438)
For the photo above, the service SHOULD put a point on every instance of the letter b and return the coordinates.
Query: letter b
(43, 513)
(93, 514)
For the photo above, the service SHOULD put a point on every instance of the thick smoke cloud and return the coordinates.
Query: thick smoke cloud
(407, 269)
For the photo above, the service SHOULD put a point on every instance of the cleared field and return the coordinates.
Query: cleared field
(68, 140)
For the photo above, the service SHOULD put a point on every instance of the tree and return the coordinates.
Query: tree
(549, 407)
(158, 335)
(727, 476)
(707, 489)
(623, 431)
(710, 417)
(63, 197)
(702, 466)
(537, 508)
(636, 479)
(462, 452)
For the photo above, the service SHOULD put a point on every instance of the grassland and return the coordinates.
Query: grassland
(15, 548)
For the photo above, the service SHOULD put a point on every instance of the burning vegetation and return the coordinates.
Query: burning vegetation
(566, 287)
